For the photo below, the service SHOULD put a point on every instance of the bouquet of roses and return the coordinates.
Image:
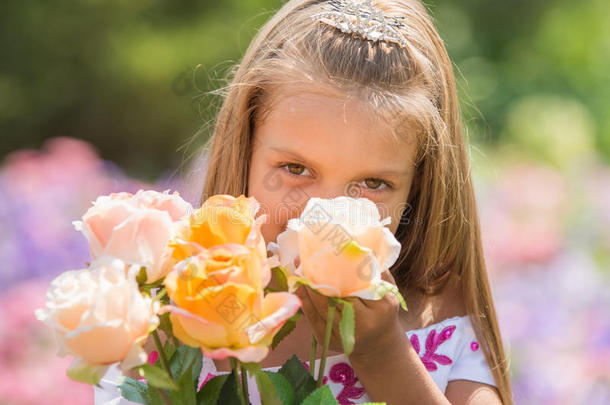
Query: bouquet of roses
(195, 282)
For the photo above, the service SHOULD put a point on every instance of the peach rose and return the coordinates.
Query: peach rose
(219, 304)
(339, 247)
(99, 316)
(223, 219)
(135, 228)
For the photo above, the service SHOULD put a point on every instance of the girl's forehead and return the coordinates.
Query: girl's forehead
(324, 108)
(332, 111)
(324, 128)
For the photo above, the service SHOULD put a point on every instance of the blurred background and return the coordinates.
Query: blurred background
(102, 96)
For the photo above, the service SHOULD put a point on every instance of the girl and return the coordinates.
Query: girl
(316, 111)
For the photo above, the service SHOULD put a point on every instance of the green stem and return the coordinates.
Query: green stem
(161, 294)
(244, 382)
(329, 328)
(312, 356)
(240, 390)
(161, 352)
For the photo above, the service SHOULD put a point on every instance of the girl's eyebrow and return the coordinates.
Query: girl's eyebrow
(393, 173)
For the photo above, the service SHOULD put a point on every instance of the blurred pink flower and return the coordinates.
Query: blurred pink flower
(41, 193)
(30, 371)
(522, 216)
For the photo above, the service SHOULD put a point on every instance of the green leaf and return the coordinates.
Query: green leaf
(285, 330)
(284, 390)
(85, 372)
(321, 396)
(209, 393)
(133, 390)
(384, 287)
(169, 350)
(228, 394)
(186, 393)
(267, 389)
(183, 358)
(347, 327)
(299, 378)
(154, 397)
(157, 377)
(280, 277)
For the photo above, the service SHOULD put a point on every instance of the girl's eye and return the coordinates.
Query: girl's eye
(373, 184)
(376, 185)
(294, 168)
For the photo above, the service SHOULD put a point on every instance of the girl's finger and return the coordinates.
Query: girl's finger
(387, 276)
(317, 305)
(316, 322)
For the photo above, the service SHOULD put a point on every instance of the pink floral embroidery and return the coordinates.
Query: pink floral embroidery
(433, 341)
(344, 374)
(474, 346)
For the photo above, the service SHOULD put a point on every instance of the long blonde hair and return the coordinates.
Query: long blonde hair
(414, 90)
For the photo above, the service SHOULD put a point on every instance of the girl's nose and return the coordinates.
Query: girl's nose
(324, 192)
(336, 188)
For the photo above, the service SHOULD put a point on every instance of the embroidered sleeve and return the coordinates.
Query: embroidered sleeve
(470, 363)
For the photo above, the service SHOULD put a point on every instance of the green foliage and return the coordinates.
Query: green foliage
(285, 330)
(210, 392)
(321, 396)
(179, 388)
(280, 276)
(285, 392)
(228, 394)
(124, 75)
(347, 326)
(133, 390)
(299, 378)
(157, 377)
(184, 359)
(187, 388)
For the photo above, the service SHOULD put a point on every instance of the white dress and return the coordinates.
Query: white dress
(448, 349)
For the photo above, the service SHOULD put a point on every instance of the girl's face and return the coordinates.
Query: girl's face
(311, 145)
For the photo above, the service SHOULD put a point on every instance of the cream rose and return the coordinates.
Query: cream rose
(339, 247)
(99, 316)
(136, 228)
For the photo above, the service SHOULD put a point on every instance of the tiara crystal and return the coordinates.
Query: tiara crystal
(362, 18)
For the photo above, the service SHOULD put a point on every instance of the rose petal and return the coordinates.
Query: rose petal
(248, 354)
(277, 308)
(195, 330)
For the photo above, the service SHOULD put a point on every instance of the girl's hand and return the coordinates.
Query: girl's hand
(376, 321)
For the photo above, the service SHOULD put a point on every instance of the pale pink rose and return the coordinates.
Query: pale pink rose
(136, 228)
(339, 247)
(99, 317)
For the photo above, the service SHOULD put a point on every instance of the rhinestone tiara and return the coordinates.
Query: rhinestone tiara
(362, 18)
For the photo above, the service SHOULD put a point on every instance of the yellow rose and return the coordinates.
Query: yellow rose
(219, 304)
(224, 219)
